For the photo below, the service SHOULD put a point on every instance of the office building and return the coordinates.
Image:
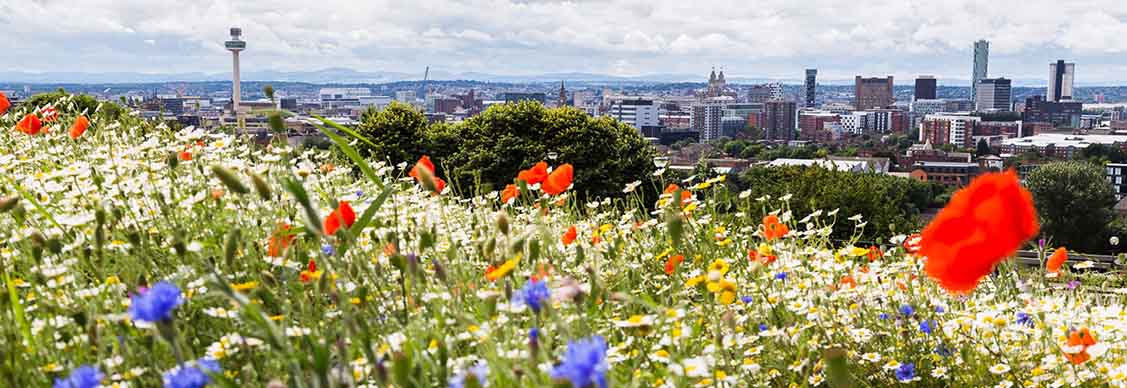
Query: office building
(1060, 145)
(812, 125)
(638, 113)
(333, 98)
(981, 57)
(1057, 114)
(811, 84)
(405, 96)
(1061, 75)
(953, 174)
(1115, 176)
(872, 93)
(288, 103)
(510, 97)
(925, 88)
(993, 94)
(778, 120)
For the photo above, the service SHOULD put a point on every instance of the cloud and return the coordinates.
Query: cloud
(766, 38)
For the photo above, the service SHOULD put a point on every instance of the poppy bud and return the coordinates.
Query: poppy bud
(229, 179)
(261, 186)
(439, 271)
(503, 223)
(173, 160)
(7, 203)
(276, 122)
(232, 247)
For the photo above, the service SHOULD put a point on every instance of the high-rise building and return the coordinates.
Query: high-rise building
(1056, 114)
(1061, 75)
(993, 94)
(765, 92)
(811, 84)
(872, 93)
(778, 120)
(638, 113)
(981, 57)
(925, 88)
(706, 119)
(941, 129)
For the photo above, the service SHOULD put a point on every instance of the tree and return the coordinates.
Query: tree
(506, 138)
(1074, 202)
(398, 132)
(67, 103)
(983, 148)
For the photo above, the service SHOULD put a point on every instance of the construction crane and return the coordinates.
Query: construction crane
(426, 75)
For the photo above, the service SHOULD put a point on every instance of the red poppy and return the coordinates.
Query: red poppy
(672, 262)
(343, 215)
(848, 280)
(874, 253)
(30, 124)
(79, 127)
(569, 236)
(559, 180)
(1056, 260)
(184, 155)
(537, 174)
(772, 228)
(280, 240)
(423, 171)
(310, 273)
(50, 114)
(4, 103)
(982, 225)
(912, 243)
(510, 193)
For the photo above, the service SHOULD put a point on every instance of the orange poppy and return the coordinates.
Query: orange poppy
(217, 194)
(424, 170)
(686, 195)
(4, 103)
(280, 240)
(912, 243)
(772, 228)
(1083, 339)
(537, 174)
(672, 262)
(30, 124)
(848, 280)
(983, 224)
(310, 273)
(79, 127)
(569, 236)
(510, 193)
(874, 253)
(343, 215)
(559, 180)
(184, 155)
(1056, 260)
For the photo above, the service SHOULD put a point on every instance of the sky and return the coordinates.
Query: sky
(748, 38)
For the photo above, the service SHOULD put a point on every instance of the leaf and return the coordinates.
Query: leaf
(348, 150)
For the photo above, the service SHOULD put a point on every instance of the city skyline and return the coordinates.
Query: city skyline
(615, 38)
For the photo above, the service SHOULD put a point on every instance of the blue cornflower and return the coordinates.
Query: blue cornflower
(747, 299)
(155, 304)
(479, 371)
(943, 350)
(927, 326)
(781, 276)
(86, 376)
(906, 371)
(533, 334)
(328, 250)
(533, 295)
(763, 327)
(191, 376)
(907, 310)
(883, 316)
(584, 364)
(359, 193)
(939, 309)
(1024, 319)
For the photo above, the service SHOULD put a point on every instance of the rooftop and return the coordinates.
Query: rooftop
(1064, 140)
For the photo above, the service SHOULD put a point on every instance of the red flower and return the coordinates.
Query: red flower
(848, 280)
(686, 195)
(1056, 260)
(30, 124)
(280, 240)
(874, 253)
(982, 225)
(4, 103)
(537, 174)
(343, 215)
(559, 180)
(569, 236)
(912, 243)
(310, 273)
(423, 172)
(184, 155)
(50, 114)
(1082, 339)
(672, 262)
(79, 127)
(773, 229)
(510, 193)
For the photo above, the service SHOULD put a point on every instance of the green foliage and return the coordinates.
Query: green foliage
(889, 204)
(1074, 203)
(81, 103)
(493, 146)
(397, 133)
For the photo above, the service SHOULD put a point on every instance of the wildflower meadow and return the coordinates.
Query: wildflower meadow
(135, 255)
